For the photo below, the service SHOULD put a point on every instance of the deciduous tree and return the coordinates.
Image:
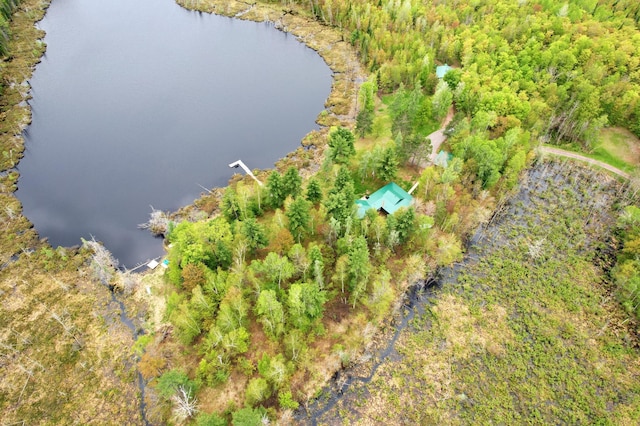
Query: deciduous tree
(270, 313)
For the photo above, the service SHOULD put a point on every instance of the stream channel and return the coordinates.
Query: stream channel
(139, 103)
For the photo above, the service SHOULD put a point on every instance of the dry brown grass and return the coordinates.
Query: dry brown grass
(57, 358)
(469, 333)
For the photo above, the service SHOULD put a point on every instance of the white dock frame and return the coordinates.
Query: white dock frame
(246, 169)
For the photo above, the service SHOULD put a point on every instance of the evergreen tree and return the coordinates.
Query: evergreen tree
(275, 190)
(340, 205)
(364, 122)
(405, 223)
(343, 178)
(341, 143)
(230, 205)
(292, 182)
(299, 216)
(359, 268)
(388, 168)
(314, 191)
(412, 148)
(254, 233)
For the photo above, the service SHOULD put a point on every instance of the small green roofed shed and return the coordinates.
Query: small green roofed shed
(388, 199)
(442, 70)
(442, 159)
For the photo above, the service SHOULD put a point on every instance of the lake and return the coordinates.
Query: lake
(138, 102)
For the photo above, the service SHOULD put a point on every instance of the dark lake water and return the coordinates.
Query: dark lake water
(137, 102)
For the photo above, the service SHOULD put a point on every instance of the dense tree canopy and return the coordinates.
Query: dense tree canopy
(563, 69)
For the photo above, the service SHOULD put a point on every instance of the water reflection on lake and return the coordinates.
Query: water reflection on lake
(137, 103)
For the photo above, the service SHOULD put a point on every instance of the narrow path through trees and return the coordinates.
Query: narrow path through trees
(438, 136)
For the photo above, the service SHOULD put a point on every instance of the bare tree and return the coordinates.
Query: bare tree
(67, 325)
(102, 262)
(185, 405)
(128, 282)
(158, 222)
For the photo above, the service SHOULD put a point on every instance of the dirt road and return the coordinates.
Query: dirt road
(438, 136)
(576, 156)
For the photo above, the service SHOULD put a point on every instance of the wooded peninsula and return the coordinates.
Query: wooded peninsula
(431, 165)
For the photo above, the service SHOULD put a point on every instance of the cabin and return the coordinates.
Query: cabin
(387, 200)
(442, 70)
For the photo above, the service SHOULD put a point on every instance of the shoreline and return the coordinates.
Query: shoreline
(337, 53)
(340, 104)
(26, 47)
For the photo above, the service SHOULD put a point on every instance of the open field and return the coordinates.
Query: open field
(618, 147)
(615, 146)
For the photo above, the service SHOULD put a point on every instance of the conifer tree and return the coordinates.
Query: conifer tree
(314, 191)
(275, 190)
(292, 182)
(299, 216)
(341, 142)
(388, 168)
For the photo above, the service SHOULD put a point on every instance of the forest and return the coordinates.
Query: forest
(270, 289)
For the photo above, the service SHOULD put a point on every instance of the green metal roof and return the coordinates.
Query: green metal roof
(442, 70)
(389, 198)
(442, 159)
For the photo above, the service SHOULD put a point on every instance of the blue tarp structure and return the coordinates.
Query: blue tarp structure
(442, 70)
(389, 199)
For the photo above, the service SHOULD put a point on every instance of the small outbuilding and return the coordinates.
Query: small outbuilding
(442, 70)
(442, 159)
(387, 199)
